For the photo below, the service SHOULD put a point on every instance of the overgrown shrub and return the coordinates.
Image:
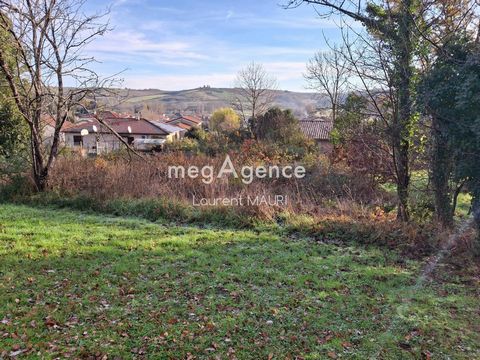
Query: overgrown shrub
(15, 187)
(138, 179)
(412, 239)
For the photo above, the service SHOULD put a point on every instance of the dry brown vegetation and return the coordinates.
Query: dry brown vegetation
(113, 178)
(330, 204)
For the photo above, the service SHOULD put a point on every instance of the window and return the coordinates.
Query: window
(77, 140)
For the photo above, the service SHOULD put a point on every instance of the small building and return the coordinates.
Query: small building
(174, 132)
(318, 130)
(94, 137)
(186, 122)
(47, 128)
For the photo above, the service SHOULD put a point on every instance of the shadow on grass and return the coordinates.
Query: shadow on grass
(83, 285)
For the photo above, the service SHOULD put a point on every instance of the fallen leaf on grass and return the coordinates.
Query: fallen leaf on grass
(426, 355)
(17, 352)
(210, 326)
(49, 322)
(332, 355)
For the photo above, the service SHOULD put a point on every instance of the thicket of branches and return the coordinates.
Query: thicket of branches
(41, 56)
(413, 73)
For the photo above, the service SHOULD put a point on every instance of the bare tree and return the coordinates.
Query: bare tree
(401, 26)
(47, 38)
(254, 91)
(327, 73)
(394, 23)
(370, 63)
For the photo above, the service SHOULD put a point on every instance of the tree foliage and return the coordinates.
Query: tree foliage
(47, 39)
(280, 127)
(391, 26)
(401, 36)
(450, 96)
(13, 132)
(224, 120)
(360, 141)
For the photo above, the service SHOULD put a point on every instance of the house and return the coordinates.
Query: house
(318, 129)
(47, 129)
(93, 137)
(186, 122)
(107, 114)
(174, 132)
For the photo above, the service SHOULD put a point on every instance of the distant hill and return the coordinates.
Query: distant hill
(202, 101)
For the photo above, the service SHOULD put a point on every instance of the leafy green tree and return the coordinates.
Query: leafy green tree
(224, 120)
(49, 37)
(465, 132)
(393, 25)
(281, 128)
(13, 132)
(352, 115)
(361, 142)
(404, 31)
(276, 125)
(450, 94)
(196, 134)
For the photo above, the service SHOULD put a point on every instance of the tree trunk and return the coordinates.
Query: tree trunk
(476, 215)
(403, 118)
(41, 180)
(442, 162)
(334, 112)
(40, 171)
(403, 183)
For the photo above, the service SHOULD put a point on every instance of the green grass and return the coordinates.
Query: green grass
(419, 194)
(80, 285)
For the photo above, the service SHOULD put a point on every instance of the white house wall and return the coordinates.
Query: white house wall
(108, 142)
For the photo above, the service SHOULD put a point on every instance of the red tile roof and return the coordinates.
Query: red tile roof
(183, 126)
(48, 120)
(106, 114)
(138, 127)
(316, 129)
(193, 119)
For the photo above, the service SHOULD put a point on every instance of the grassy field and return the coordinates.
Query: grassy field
(85, 286)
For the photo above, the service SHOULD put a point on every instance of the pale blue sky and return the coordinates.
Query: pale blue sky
(180, 44)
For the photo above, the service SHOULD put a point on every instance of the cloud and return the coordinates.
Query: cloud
(179, 51)
(293, 23)
(285, 70)
(155, 25)
(287, 73)
(118, 3)
(135, 47)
